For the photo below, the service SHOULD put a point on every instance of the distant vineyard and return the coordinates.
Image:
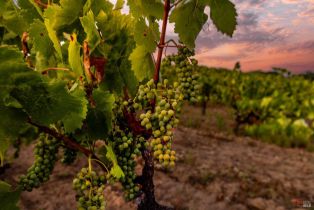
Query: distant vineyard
(277, 107)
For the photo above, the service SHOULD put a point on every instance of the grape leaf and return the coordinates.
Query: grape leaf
(8, 197)
(119, 4)
(146, 35)
(115, 171)
(53, 36)
(11, 19)
(99, 119)
(48, 102)
(139, 8)
(142, 63)
(64, 14)
(92, 34)
(153, 8)
(189, 19)
(41, 41)
(11, 63)
(97, 6)
(29, 11)
(75, 60)
(135, 8)
(223, 14)
(74, 119)
(117, 30)
(13, 119)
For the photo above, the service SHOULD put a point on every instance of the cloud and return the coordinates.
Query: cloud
(296, 1)
(255, 3)
(304, 46)
(276, 33)
(249, 33)
(307, 13)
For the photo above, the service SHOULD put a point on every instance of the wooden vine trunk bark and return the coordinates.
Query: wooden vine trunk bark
(149, 202)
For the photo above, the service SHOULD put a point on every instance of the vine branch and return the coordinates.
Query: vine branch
(45, 71)
(41, 4)
(70, 143)
(176, 3)
(161, 44)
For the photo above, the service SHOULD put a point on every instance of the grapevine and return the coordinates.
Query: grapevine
(82, 75)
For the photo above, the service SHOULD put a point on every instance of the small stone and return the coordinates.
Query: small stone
(256, 204)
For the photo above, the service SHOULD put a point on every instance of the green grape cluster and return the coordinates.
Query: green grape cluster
(45, 157)
(69, 156)
(89, 187)
(163, 119)
(127, 148)
(186, 52)
(185, 71)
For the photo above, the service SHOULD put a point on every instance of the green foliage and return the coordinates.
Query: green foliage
(142, 63)
(11, 19)
(146, 36)
(41, 42)
(269, 106)
(119, 4)
(99, 118)
(8, 197)
(223, 15)
(115, 170)
(54, 38)
(188, 27)
(146, 8)
(44, 102)
(75, 56)
(62, 15)
(12, 117)
(92, 35)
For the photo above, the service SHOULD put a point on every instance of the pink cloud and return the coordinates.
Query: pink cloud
(295, 57)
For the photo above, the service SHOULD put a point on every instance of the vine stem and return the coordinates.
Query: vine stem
(90, 164)
(45, 71)
(41, 4)
(70, 143)
(161, 44)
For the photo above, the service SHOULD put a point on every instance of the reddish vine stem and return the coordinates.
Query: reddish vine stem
(39, 3)
(161, 44)
(87, 62)
(45, 71)
(70, 143)
(25, 47)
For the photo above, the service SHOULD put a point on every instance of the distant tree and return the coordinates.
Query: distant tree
(237, 66)
(283, 71)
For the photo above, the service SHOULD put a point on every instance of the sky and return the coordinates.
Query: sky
(270, 33)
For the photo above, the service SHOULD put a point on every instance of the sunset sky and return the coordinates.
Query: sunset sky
(270, 33)
(273, 33)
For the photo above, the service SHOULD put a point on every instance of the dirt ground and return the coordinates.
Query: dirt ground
(216, 170)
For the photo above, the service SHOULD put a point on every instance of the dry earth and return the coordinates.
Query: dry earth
(216, 170)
